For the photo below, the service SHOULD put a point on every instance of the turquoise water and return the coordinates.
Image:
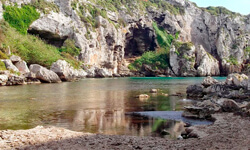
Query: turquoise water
(93, 105)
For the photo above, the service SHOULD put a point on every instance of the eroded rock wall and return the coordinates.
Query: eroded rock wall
(219, 40)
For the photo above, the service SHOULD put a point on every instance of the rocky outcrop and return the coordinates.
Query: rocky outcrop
(66, 72)
(235, 87)
(182, 60)
(43, 74)
(207, 64)
(205, 109)
(237, 80)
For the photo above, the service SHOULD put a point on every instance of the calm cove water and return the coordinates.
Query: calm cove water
(96, 105)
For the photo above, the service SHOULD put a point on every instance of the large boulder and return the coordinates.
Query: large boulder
(237, 80)
(66, 72)
(9, 65)
(228, 105)
(22, 67)
(43, 74)
(195, 91)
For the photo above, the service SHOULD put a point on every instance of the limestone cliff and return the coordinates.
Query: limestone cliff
(110, 32)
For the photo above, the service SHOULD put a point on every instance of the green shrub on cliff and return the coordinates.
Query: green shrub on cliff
(247, 51)
(163, 38)
(44, 6)
(70, 48)
(156, 59)
(220, 10)
(20, 18)
(2, 66)
(3, 55)
(232, 60)
(32, 49)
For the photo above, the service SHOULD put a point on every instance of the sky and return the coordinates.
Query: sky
(240, 6)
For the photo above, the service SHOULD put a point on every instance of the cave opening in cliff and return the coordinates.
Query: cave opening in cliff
(50, 38)
(139, 40)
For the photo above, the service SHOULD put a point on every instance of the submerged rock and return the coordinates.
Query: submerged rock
(43, 74)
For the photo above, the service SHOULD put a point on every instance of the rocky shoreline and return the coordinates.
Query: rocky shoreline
(233, 95)
(228, 132)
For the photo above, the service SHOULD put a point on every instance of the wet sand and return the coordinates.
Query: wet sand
(227, 132)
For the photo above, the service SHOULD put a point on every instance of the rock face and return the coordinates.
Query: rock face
(219, 41)
(182, 60)
(207, 64)
(43, 74)
(66, 72)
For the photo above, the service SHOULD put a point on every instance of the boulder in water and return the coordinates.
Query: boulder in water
(43, 74)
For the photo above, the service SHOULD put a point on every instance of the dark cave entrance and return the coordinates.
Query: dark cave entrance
(50, 38)
(140, 40)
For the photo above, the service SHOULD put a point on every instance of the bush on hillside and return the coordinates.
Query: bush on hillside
(20, 18)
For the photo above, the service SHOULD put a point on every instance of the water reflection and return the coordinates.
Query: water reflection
(94, 105)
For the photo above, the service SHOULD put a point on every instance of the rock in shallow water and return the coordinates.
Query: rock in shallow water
(44, 74)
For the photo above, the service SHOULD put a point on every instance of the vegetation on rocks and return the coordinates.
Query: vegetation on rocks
(220, 10)
(247, 51)
(2, 66)
(158, 59)
(44, 6)
(38, 53)
(232, 60)
(20, 18)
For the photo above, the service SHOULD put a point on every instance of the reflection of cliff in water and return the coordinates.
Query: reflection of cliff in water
(115, 122)
(91, 105)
